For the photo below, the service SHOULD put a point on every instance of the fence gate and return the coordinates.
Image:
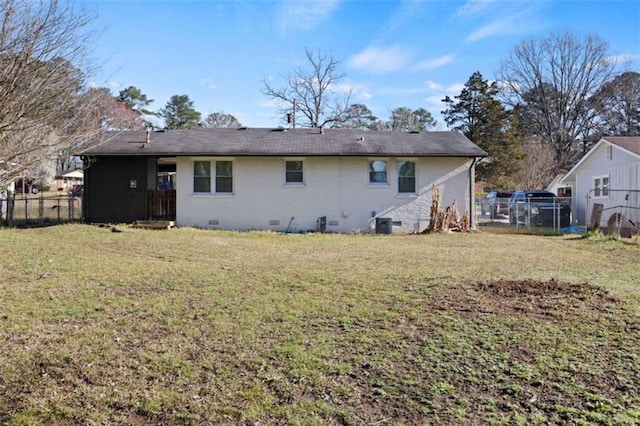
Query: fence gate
(162, 204)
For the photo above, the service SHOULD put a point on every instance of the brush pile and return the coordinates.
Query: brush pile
(447, 220)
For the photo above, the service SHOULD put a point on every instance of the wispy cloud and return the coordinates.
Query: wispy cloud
(401, 91)
(209, 83)
(433, 86)
(473, 8)
(344, 88)
(497, 27)
(304, 15)
(434, 63)
(406, 11)
(455, 88)
(380, 60)
(365, 95)
(623, 58)
(513, 17)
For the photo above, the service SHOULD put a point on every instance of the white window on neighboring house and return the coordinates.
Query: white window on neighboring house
(293, 172)
(377, 171)
(601, 186)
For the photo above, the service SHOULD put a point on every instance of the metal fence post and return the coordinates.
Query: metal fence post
(41, 209)
(10, 203)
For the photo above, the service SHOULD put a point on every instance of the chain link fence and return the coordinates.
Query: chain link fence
(545, 213)
(612, 211)
(24, 210)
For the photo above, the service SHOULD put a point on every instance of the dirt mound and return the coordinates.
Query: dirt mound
(527, 298)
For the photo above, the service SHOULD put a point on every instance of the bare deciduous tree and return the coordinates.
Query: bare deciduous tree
(46, 106)
(553, 79)
(313, 92)
(539, 166)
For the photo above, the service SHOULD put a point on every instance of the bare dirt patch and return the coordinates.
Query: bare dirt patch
(526, 298)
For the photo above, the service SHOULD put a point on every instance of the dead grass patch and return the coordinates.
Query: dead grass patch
(201, 327)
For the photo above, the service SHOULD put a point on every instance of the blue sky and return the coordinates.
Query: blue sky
(393, 53)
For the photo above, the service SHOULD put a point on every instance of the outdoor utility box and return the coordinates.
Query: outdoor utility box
(384, 225)
(321, 224)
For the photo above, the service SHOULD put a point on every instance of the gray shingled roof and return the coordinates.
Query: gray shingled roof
(290, 142)
(632, 143)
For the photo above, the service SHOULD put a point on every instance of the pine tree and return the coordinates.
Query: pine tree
(480, 116)
(180, 114)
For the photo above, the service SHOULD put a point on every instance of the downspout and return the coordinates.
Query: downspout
(472, 190)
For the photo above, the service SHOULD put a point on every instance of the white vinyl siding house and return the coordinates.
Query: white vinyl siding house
(608, 175)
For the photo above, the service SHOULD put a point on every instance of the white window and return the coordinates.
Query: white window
(377, 171)
(201, 176)
(406, 177)
(223, 177)
(293, 171)
(601, 186)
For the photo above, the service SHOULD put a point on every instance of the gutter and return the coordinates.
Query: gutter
(472, 189)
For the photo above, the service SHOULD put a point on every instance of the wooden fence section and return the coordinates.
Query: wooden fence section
(162, 204)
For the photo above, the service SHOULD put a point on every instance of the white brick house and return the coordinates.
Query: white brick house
(297, 179)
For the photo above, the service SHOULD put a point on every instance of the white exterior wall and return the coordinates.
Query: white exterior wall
(335, 187)
(623, 170)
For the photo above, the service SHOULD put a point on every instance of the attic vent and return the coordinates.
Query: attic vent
(279, 129)
(414, 131)
(242, 128)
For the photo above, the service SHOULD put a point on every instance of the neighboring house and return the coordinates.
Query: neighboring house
(562, 190)
(607, 177)
(295, 180)
(66, 181)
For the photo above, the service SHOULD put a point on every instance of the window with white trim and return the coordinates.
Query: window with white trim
(406, 177)
(293, 171)
(223, 178)
(601, 186)
(201, 176)
(377, 171)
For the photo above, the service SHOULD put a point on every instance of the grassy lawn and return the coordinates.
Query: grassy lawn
(204, 327)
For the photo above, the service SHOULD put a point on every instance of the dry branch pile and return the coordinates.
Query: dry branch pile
(445, 220)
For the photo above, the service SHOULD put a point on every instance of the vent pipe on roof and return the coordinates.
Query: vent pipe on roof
(148, 136)
(321, 130)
